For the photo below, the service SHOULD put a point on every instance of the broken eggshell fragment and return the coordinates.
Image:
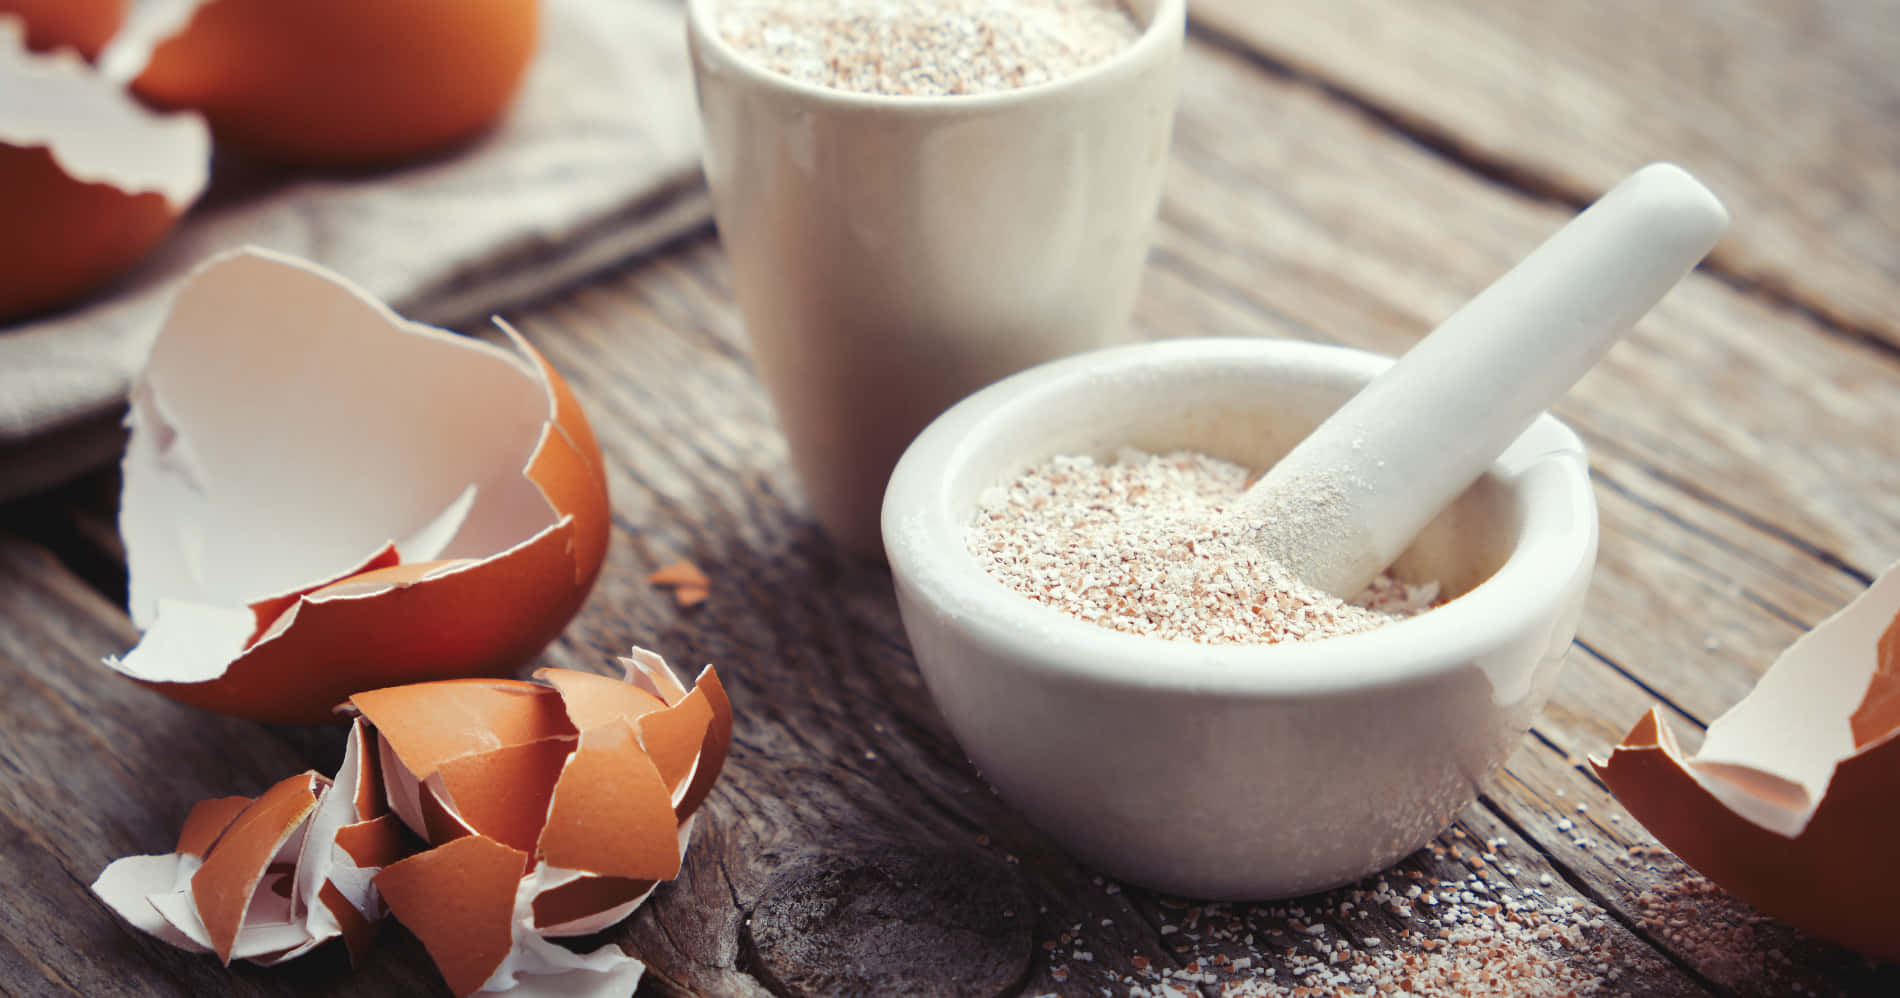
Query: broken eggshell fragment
(90, 181)
(270, 879)
(322, 497)
(1793, 800)
(553, 809)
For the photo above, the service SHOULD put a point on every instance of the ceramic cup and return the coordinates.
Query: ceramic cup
(1234, 771)
(893, 254)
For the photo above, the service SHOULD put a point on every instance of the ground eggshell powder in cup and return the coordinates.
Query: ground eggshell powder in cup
(1147, 544)
(927, 48)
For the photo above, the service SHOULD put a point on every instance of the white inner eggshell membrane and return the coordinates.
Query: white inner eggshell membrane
(287, 426)
(95, 131)
(1795, 724)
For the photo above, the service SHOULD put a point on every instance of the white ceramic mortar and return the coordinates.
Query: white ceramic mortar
(1234, 771)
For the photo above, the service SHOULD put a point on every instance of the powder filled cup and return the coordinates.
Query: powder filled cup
(892, 254)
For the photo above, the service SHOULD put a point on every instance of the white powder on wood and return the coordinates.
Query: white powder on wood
(915, 48)
(1148, 544)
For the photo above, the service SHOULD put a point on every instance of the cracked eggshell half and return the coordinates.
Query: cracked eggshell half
(90, 181)
(345, 83)
(1793, 802)
(323, 498)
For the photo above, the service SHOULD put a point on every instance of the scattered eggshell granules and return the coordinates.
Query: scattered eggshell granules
(1405, 932)
(1146, 544)
(1492, 929)
(548, 809)
(927, 48)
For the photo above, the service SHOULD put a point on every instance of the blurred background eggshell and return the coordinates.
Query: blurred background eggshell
(286, 431)
(344, 82)
(1793, 802)
(82, 25)
(89, 180)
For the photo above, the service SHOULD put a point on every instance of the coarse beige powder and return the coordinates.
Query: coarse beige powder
(927, 48)
(1148, 544)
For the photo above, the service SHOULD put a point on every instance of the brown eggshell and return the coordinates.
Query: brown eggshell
(208, 820)
(89, 181)
(345, 82)
(501, 551)
(84, 25)
(1837, 876)
(585, 897)
(612, 814)
(591, 699)
(273, 611)
(504, 793)
(222, 888)
(459, 900)
(370, 844)
(712, 747)
(67, 237)
(434, 723)
(373, 843)
(358, 931)
(676, 739)
(550, 807)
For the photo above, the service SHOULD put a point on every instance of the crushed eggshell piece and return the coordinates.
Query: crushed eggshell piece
(594, 829)
(690, 585)
(323, 498)
(459, 899)
(1792, 802)
(269, 879)
(550, 809)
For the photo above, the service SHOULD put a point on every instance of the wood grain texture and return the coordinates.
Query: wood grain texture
(1790, 111)
(1746, 485)
(94, 767)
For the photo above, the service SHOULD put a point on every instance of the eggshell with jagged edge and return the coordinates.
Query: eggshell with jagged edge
(90, 181)
(335, 83)
(322, 498)
(1793, 801)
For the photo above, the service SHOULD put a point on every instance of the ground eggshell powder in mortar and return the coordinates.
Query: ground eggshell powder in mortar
(927, 48)
(1146, 545)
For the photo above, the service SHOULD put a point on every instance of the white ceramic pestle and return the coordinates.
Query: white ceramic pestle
(1352, 495)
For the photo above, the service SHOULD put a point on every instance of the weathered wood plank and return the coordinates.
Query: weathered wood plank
(1333, 225)
(1740, 510)
(94, 767)
(1787, 110)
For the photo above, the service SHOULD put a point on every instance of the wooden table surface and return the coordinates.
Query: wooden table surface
(1346, 171)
